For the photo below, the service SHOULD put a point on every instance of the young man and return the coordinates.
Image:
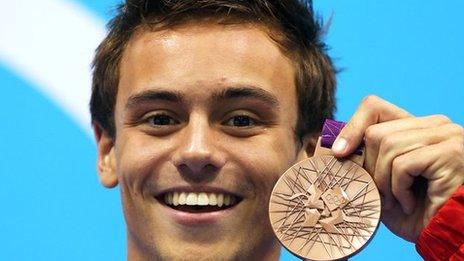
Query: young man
(199, 106)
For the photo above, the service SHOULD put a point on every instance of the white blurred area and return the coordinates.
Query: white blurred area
(50, 43)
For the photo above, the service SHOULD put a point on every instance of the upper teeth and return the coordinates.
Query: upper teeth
(199, 199)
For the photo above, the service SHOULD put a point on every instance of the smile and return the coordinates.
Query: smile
(199, 202)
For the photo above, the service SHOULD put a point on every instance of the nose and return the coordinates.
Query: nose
(198, 153)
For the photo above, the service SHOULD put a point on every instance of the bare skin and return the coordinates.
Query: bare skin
(201, 107)
(400, 148)
(208, 107)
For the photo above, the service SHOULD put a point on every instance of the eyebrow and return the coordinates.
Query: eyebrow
(244, 92)
(154, 95)
(247, 92)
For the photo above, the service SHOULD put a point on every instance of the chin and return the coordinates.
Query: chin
(163, 229)
(178, 249)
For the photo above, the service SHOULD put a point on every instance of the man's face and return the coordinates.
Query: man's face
(205, 118)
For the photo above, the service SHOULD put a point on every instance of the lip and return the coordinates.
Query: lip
(198, 189)
(196, 219)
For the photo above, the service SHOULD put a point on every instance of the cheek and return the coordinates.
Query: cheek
(265, 158)
(137, 158)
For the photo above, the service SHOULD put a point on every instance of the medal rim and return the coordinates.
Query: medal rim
(342, 161)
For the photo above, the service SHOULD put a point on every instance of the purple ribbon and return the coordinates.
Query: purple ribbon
(330, 131)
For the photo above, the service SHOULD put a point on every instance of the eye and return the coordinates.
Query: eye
(240, 121)
(161, 120)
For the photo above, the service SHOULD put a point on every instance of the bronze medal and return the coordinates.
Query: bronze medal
(324, 208)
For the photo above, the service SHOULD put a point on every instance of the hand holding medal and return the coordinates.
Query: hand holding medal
(416, 163)
(324, 208)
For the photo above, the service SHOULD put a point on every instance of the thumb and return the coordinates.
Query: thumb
(372, 110)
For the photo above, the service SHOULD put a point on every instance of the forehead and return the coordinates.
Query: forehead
(197, 58)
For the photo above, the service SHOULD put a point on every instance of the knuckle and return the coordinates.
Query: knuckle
(440, 118)
(388, 143)
(456, 148)
(398, 166)
(370, 99)
(456, 128)
(371, 135)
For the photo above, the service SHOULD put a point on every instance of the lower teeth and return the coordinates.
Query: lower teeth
(197, 209)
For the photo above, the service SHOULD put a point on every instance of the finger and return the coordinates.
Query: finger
(372, 110)
(402, 182)
(375, 133)
(420, 162)
(398, 143)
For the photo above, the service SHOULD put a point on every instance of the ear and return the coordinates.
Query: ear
(106, 166)
(308, 147)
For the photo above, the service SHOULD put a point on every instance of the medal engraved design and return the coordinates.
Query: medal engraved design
(325, 208)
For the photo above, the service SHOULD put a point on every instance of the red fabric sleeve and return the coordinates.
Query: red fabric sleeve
(459, 255)
(443, 237)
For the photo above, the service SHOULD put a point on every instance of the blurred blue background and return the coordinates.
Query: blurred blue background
(52, 206)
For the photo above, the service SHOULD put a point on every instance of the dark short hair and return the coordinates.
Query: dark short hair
(291, 23)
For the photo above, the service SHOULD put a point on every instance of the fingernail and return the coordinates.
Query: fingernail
(339, 145)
